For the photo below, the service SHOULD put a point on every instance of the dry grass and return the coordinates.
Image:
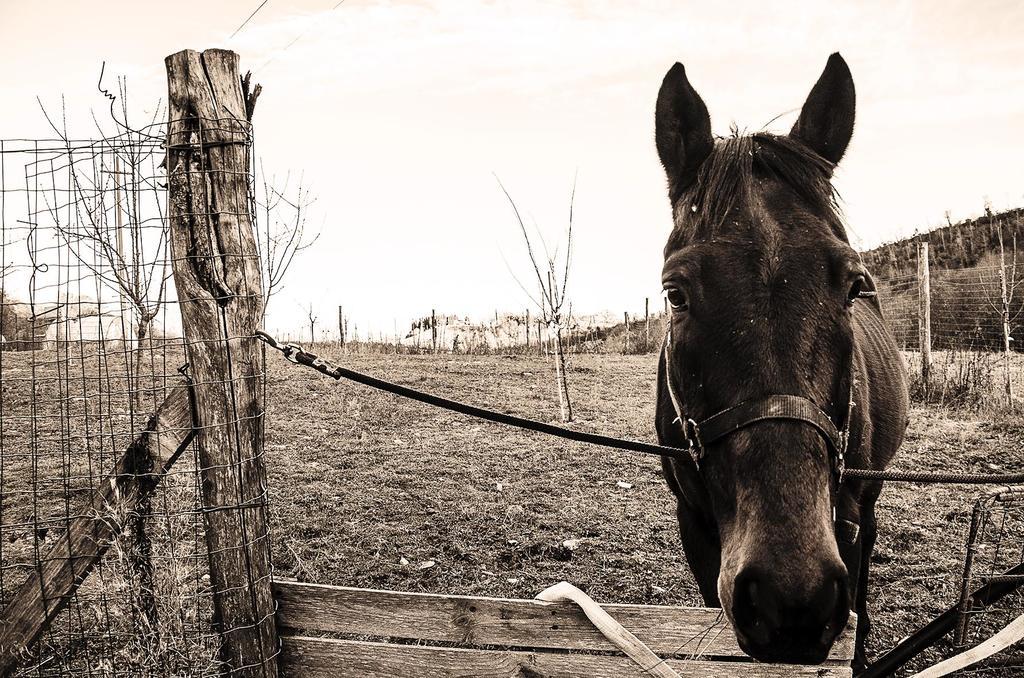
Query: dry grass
(367, 489)
(362, 480)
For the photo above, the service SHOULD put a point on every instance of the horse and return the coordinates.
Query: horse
(777, 370)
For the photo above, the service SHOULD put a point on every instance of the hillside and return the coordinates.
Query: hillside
(966, 298)
(955, 246)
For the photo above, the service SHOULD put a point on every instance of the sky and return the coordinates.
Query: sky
(401, 117)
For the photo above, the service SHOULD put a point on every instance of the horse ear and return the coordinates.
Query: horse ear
(682, 130)
(826, 120)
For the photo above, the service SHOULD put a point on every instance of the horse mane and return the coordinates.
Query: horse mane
(731, 172)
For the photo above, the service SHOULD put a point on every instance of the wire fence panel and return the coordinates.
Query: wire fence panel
(995, 546)
(975, 314)
(93, 487)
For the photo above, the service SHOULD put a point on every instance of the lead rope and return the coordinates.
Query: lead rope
(296, 354)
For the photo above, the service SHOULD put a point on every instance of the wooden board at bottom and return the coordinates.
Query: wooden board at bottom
(332, 658)
(315, 609)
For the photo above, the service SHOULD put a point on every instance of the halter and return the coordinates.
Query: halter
(699, 434)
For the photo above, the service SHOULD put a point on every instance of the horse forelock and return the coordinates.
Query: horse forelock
(731, 181)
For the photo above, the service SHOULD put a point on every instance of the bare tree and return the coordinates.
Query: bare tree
(281, 229)
(552, 281)
(124, 242)
(312, 323)
(1008, 283)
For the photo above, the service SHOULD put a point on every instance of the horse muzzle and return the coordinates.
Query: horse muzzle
(773, 624)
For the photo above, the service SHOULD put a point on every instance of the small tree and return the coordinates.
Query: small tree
(312, 323)
(551, 300)
(1008, 283)
(281, 229)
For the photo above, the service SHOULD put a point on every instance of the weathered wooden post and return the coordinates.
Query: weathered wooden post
(925, 312)
(217, 275)
(1005, 294)
(527, 330)
(625, 339)
(647, 323)
(341, 326)
(433, 330)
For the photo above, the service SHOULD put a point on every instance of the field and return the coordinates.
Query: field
(373, 491)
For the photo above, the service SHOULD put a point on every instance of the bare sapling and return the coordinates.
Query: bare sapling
(281, 229)
(552, 279)
(123, 245)
(312, 318)
(1008, 283)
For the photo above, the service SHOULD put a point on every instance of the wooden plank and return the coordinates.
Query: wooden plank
(217, 276)
(70, 559)
(332, 658)
(679, 631)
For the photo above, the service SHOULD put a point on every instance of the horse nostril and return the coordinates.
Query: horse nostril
(778, 627)
(752, 594)
(754, 607)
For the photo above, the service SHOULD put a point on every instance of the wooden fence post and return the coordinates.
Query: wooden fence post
(647, 323)
(341, 326)
(216, 271)
(1005, 294)
(625, 340)
(433, 330)
(69, 560)
(527, 330)
(925, 312)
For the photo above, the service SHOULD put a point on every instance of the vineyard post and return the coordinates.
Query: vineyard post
(433, 330)
(216, 270)
(341, 327)
(527, 330)
(647, 323)
(1005, 293)
(625, 340)
(925, 312)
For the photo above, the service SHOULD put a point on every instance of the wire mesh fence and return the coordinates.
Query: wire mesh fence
(90, 350)
(974, 316)
(93, 487)
(995, 555)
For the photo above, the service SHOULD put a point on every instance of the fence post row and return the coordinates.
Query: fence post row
(217, 275)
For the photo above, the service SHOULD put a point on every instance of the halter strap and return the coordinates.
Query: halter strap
(700, 434)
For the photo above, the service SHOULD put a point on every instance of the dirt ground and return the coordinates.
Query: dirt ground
(375, 491)
(371, 490)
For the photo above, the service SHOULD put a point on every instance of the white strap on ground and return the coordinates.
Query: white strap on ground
(1012, 633)
(612, 630)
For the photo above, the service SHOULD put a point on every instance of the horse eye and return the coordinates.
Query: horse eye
(676, 299)
(858, 290)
